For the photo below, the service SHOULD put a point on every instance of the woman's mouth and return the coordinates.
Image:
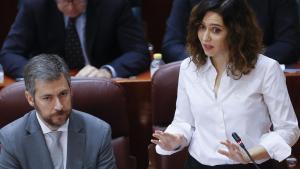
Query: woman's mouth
(207, 47)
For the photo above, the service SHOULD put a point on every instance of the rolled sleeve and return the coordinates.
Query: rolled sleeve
(177, 128)
(276, 146)
(285, 125)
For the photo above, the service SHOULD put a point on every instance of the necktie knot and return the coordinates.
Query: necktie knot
(71, 22)
(55, 136)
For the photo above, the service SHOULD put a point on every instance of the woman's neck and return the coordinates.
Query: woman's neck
(219, 63)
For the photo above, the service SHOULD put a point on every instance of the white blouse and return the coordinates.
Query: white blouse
(247, 106)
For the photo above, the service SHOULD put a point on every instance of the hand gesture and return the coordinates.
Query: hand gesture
(167, 141)
(234, 152)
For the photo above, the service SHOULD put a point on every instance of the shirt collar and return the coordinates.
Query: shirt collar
(208, 65)
(46, 129)
(81, 17)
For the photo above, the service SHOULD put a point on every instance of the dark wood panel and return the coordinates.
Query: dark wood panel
(155, 14)
(140, 120)
(8, 11)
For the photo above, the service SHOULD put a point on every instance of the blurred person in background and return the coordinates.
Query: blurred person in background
(98, 38)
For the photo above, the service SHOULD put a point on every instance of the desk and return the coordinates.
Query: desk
(7, 81)
(138, 94)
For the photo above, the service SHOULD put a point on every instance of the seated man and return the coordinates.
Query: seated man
(53, 136)
(98, 38)
(277, 19)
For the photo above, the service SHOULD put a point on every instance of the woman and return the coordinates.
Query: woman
(226, 86)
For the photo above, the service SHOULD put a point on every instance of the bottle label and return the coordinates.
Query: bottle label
(153, 70)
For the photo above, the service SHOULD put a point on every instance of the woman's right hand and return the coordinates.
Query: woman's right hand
(167, 141)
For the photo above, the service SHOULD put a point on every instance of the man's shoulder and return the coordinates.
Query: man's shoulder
(17, 127)
(90, 121)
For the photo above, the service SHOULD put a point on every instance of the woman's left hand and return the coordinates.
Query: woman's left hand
(234, 152)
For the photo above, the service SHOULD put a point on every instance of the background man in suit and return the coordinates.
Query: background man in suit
(277, 19)
(109, 41)
(82, 140)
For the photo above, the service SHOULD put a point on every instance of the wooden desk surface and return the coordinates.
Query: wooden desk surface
(143, 77)
(7, 81)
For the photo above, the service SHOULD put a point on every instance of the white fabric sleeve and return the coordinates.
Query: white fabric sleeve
(183, 122)
(285, 125)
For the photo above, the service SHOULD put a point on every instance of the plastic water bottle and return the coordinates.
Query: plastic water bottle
(1, 75)
(156, 63)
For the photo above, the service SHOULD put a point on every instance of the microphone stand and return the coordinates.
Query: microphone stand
(239, 141)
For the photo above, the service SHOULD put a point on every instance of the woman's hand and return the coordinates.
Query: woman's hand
(167, 141)
(234, 152)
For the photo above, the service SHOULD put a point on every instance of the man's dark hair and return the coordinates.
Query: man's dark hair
(47, 67)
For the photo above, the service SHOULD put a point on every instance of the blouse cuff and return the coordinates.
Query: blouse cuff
(181, 128)
(276, 146)
(161, 151)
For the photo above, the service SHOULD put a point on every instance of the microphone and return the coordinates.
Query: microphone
(239, 141)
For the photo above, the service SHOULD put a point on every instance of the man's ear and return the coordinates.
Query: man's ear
(29, 98)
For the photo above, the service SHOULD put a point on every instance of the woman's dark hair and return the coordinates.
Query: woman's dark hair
(244, 36)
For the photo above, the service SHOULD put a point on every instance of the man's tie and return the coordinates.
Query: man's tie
(55, 149)
(73, 51)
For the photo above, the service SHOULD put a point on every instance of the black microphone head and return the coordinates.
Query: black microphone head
(236, 137)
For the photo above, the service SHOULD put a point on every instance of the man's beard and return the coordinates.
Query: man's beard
(49, 119)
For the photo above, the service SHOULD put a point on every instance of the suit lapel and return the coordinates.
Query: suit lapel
(92, 23)
(76, 142)
(35, 145)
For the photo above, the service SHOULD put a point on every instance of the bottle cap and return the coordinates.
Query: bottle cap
(157, 56)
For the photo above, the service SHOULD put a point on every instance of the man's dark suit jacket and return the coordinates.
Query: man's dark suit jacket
(89, 144)
(113, 36)
(277, 19)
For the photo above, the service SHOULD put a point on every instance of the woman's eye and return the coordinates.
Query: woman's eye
(216, 30)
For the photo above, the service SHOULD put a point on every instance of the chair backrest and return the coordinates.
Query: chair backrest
(102, 98)
(164, 94)
(163, 99)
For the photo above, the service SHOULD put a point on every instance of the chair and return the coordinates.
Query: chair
(100, 97)
(163, 99)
